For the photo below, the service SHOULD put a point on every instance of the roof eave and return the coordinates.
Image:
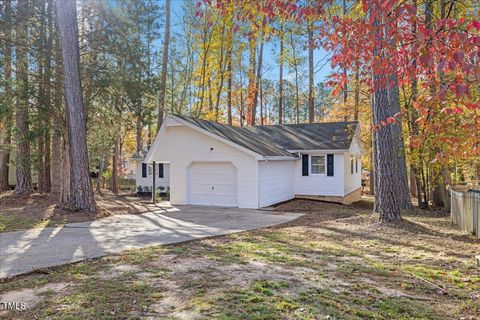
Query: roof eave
(318, 150)
(281, 158)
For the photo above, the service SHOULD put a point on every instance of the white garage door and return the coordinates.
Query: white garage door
(213, 184)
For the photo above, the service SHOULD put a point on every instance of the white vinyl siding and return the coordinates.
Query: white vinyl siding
(182, 146)
(276, 182)
(321, 184)
(148, 180)
(353, 177)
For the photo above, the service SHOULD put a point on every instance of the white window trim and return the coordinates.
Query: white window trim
(324, 164)
(149, 170)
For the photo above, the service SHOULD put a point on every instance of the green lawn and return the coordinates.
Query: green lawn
(334, 263)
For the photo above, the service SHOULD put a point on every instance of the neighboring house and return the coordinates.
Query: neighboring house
(144, 173)
(129, 168)
(12, 172)
(258, 166)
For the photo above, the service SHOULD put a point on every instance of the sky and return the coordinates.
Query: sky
(270, 53)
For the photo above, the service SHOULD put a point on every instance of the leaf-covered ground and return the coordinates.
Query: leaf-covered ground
(38, 210)
(336, 262)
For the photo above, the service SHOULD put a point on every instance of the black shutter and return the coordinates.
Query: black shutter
(144, 170)
(160, 170)
(330, 165)
(304, 164)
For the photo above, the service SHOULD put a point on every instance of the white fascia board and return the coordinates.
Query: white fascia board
(167, 122)
(320, 151)
(280, 158)
(257, 156)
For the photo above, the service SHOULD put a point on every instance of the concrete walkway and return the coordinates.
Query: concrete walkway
(27, 250)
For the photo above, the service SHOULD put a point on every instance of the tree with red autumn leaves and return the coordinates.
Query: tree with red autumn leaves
(423, 58)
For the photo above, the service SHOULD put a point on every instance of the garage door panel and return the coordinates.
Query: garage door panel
(213, 183)
(225, 189)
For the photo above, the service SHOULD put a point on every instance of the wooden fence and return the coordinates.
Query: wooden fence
(465, 210)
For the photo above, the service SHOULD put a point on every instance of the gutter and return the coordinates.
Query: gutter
(320, 150)
(280, 158)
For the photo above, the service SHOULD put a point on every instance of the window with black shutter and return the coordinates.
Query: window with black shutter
(356, 165)
(304, 164)
(144, 170)
(351, 165)
(160, 170)
(330, 165)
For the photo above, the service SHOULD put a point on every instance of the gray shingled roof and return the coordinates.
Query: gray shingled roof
(275, 140)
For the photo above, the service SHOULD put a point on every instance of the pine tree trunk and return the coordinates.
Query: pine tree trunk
(295, 69)
(345, 75)
(259, 78)
(241, 107)
(311, 88)
(229, 81)
(6, 132)
(280, 81)
(372, 182)
(210, 89)
(418, 187)
(413, 185)
(59, 124)
(221, 70)
(385, 139)
(39, 160)
(400, 166)
(138, 133)
(356, 106)
(262, 114)
(445, 185)
(5, 158)
(47, 163)
(23, 162)
(77, 135)
(39, 157)
(163, 76)
(48, 104)
(252, 87)
(372, 173)
(115, 162)
(66, 180)
(100, 174)
(386, 186)
(415, 165)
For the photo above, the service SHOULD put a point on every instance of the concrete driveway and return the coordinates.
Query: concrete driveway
(27, 250)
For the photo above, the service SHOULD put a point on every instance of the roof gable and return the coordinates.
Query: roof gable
(240, 136)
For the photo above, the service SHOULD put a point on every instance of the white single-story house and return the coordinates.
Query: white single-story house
(257, 166)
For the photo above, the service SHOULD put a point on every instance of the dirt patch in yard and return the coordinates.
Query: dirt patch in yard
(336, 262)
(40, 210)
(28, 298)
